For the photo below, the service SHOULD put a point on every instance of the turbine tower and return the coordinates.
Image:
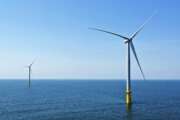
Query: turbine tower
(29, 72)
(130, 46)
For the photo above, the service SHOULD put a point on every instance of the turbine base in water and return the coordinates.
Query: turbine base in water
(128, 97)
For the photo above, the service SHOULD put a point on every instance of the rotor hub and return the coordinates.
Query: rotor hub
(127, 41)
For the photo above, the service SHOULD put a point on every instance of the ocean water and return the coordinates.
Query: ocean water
(88, 100)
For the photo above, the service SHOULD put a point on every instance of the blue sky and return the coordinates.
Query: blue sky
(56, 33)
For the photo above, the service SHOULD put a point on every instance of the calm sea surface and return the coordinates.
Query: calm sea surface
(88, 100)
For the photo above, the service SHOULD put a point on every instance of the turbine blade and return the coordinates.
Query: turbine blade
(110, 33)
(142, 26)
(135, 55)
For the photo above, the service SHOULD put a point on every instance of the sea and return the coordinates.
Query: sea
(89, 100)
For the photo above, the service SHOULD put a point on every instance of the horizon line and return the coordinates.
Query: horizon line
(88, 79)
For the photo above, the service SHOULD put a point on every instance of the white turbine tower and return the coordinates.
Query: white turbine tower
(130, 46)
(29, 72)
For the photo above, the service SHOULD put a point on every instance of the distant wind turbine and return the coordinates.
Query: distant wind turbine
(129, 42)
(29, 72)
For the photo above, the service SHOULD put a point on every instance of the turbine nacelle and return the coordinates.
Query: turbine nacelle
(127, 41)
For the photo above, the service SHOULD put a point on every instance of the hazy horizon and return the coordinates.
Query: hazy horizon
(86, 79)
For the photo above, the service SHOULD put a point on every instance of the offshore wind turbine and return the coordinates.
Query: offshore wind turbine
(130, 46)
(29, 72)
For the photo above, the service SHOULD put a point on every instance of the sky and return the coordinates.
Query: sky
(56, 34)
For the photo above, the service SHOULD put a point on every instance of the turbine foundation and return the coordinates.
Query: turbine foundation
(128, 97)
